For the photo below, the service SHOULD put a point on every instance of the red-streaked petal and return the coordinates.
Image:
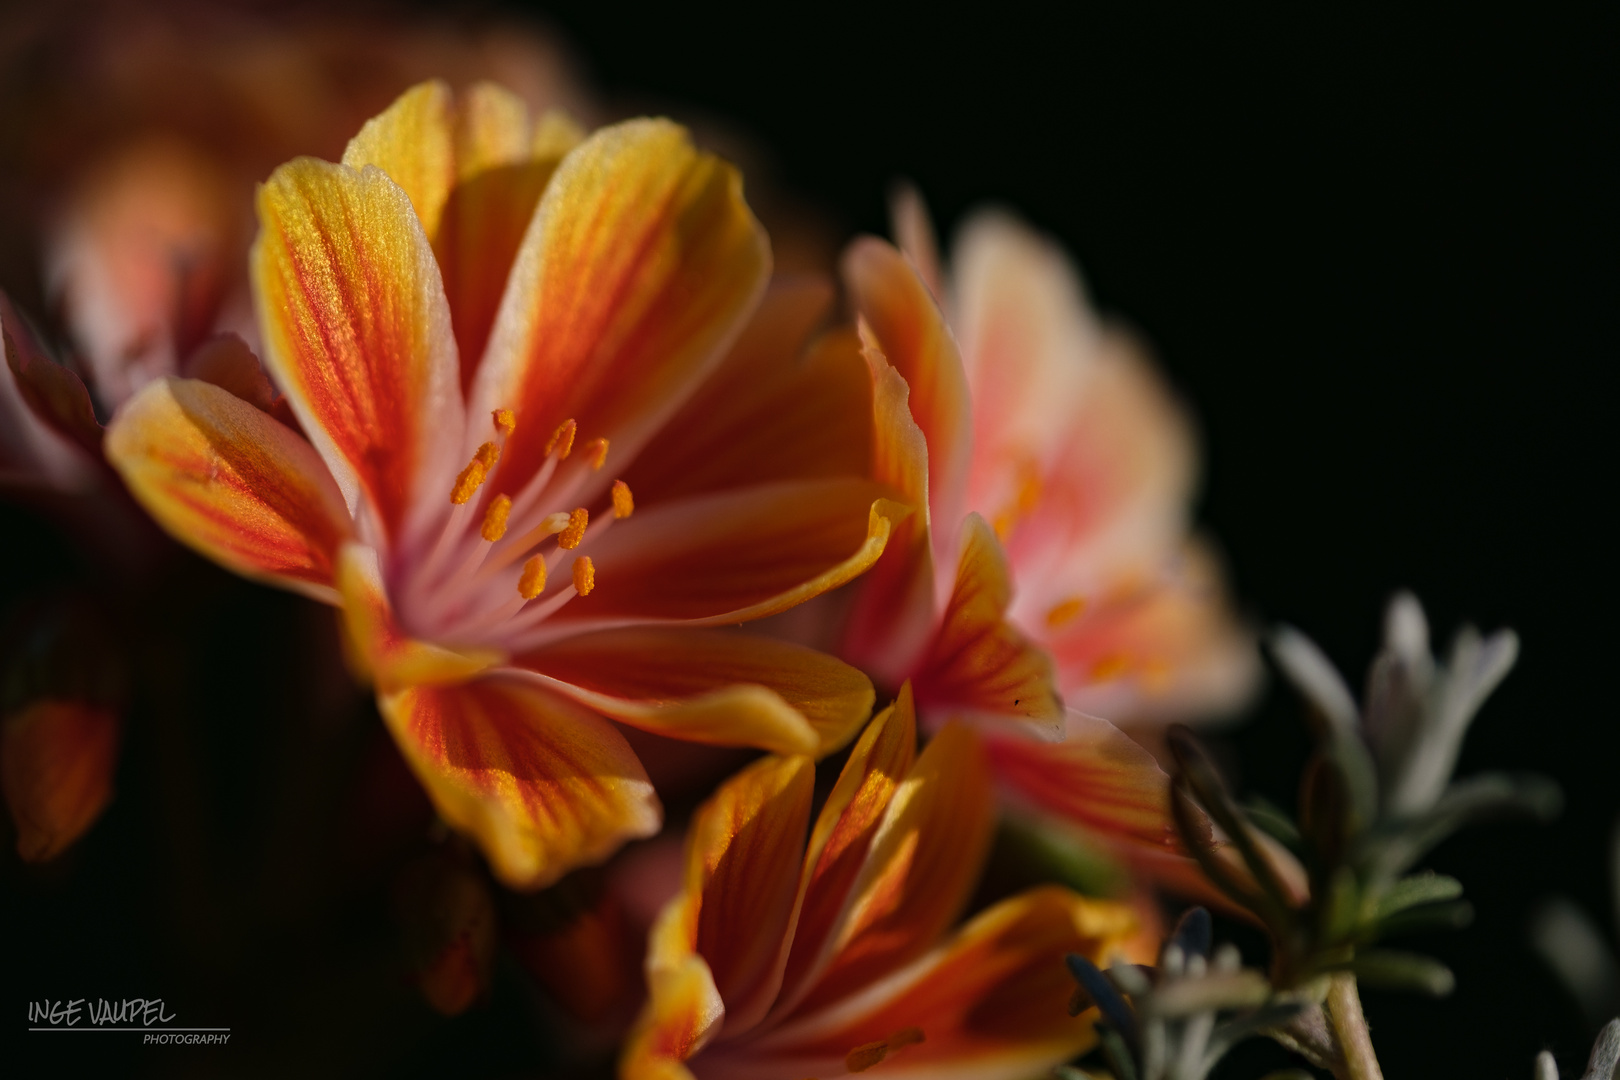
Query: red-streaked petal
(711, 686)
(57, 759)
(907, 324)
(743, 855)
(542, 784)
(920, 870)
(683, 1012)
(232, 483)
(735, 555)
(378, 649)
(896, 606)
(991, 1002)
(1167, 649)
(1097, 778)
(779, 408)
(978, 664)
(641, 264)
(357, 333)
(913, 231)
(842, 838)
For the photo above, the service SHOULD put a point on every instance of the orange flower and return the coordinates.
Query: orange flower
(782, 960)
(1051, 576)
(467, 424)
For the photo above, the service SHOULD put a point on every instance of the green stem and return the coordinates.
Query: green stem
(1350, 1029)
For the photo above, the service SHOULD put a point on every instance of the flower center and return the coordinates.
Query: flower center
(494, 574)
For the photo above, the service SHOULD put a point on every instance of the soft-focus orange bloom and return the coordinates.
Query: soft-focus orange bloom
(57, 759)
(1051, 577)
(134, 136)
(466, 426)
(780, 959)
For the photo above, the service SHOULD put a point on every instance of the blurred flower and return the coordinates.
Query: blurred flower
(137, 133)
(1051, 572)
(61, 718)
(782, 960)
(494, 584)
(445, 909)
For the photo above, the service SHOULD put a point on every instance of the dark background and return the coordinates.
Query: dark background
(1375, 252)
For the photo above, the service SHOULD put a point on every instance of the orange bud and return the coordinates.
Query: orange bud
(56, 768)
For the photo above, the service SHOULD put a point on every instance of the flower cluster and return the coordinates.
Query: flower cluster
(584, 480)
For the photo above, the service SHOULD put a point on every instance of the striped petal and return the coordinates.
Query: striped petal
(733, 556)
(895, 610)
(57, 760)
(979, 664)
(542, 784)
(1098, 778)
(640, 266)
(474, 173)
(990, 1003)
(781, 407)
(920, 871)
(908, 327)
(357, 333)
(232, 483)
(711, 686)
(841, 840)
(736, 907)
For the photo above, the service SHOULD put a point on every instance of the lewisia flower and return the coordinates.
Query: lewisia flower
(1051, 576)
(780, 959)
(536, 493)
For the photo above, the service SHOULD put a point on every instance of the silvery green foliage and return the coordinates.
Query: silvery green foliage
(1417, 710)
(1176, 1021)
(1604, 1064)
(1376, 796)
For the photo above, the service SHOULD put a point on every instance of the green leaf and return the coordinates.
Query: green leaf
(1056, 854)
(1479, 798)
(1447, 915)
(1393, 970)
(1425, 888)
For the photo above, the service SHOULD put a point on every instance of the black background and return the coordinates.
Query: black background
(1375, 252)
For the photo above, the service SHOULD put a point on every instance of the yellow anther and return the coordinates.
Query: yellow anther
(1066, 612)
(505, 422)
(584, 575)
(1110, 667)
(596, 452)
(495, 518)
(624, 504)
(469, 480)
(562, 440)
(533, 581)
(866, 1055)
(571, 536)
(488, 454)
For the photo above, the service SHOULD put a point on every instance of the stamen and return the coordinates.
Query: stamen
(495, 518)
(596, 452)
(1066, 612)
(473, 476)
(575, 532)
(866, 1055)
(624, 504)
(533, 581)
(505, 422)
(584, 575)
(562, 440)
